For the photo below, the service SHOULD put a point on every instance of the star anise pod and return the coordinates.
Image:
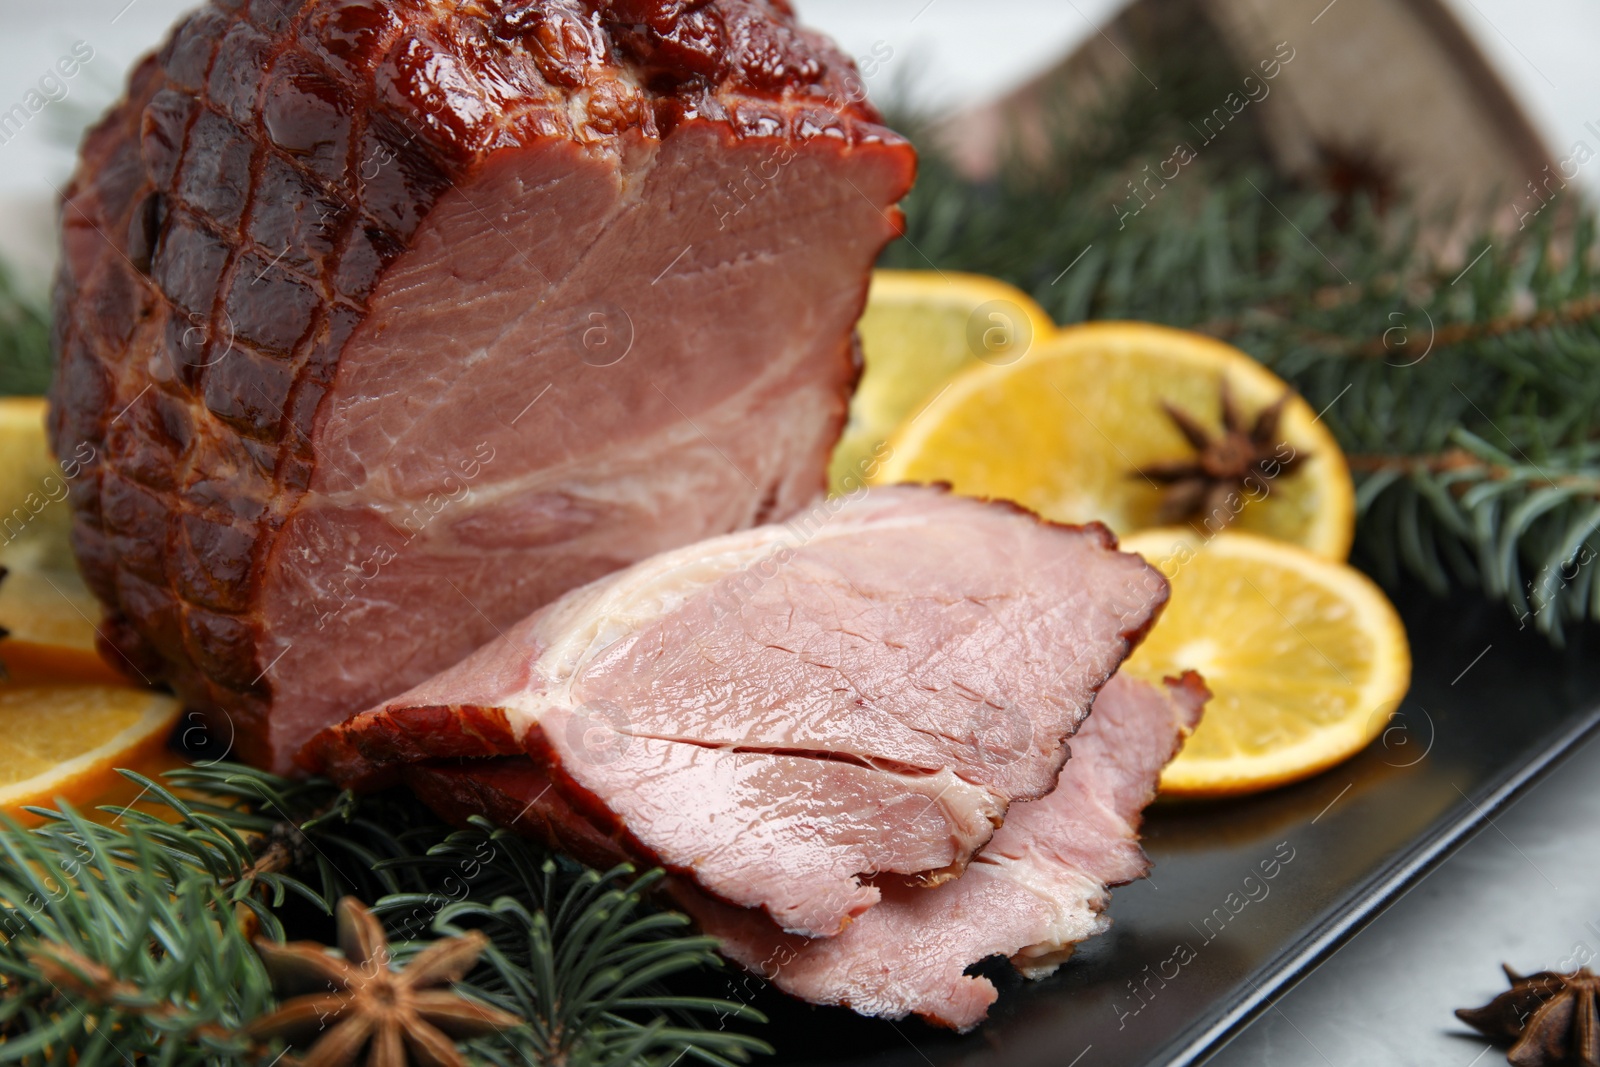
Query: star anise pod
(1548, 1019)
(362, 1003)
(1223, 465)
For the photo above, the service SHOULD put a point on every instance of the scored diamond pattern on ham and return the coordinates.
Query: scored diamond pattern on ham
(389, 321)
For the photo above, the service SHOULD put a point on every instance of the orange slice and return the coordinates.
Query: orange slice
(48, 612)
(1063, 430)
(67, 741)
(920, 328)
(1306, 659)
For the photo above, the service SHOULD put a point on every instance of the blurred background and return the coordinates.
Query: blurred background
(946, 58)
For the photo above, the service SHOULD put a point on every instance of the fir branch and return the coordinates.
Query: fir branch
(1468, 467)
(261, 839)
(1469, 393)
(24, 342)
(1573, 312)
(574, 952)
(129, 939)
(105, 958)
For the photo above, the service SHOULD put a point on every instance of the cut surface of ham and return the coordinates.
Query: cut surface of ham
(1036, 890)
(388, 321)
(780, 714)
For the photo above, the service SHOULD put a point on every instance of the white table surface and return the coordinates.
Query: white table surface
(1524, 891)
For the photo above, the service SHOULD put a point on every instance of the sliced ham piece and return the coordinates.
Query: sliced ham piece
(1035, 891)
(386, 322)
(779, 713)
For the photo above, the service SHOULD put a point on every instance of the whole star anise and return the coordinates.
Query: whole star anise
(1548, 1019)
(1223, 465)
(362, 1003)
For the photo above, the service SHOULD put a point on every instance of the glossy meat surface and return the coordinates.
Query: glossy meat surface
(389, 321)
(1037, 889)
(783, 713)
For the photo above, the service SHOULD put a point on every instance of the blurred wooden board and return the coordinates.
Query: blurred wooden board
(1394, 90)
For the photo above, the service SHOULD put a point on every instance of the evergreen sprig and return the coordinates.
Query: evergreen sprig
(115, 949)
(24, 342)
(128, 939)
(575, 954)
(1467, 395)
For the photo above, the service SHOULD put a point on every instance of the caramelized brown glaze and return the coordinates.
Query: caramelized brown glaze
(234, 213)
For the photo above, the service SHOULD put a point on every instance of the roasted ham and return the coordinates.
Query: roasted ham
(389, 321)
(780, 714)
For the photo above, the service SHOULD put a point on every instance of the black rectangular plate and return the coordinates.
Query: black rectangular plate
(1208, 941)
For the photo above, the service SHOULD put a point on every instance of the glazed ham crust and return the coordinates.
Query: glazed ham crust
(388, 321)
(781, 713)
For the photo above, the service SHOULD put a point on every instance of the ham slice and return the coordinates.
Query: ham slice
(780, 714)
(1038, 888)
(388, 321)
